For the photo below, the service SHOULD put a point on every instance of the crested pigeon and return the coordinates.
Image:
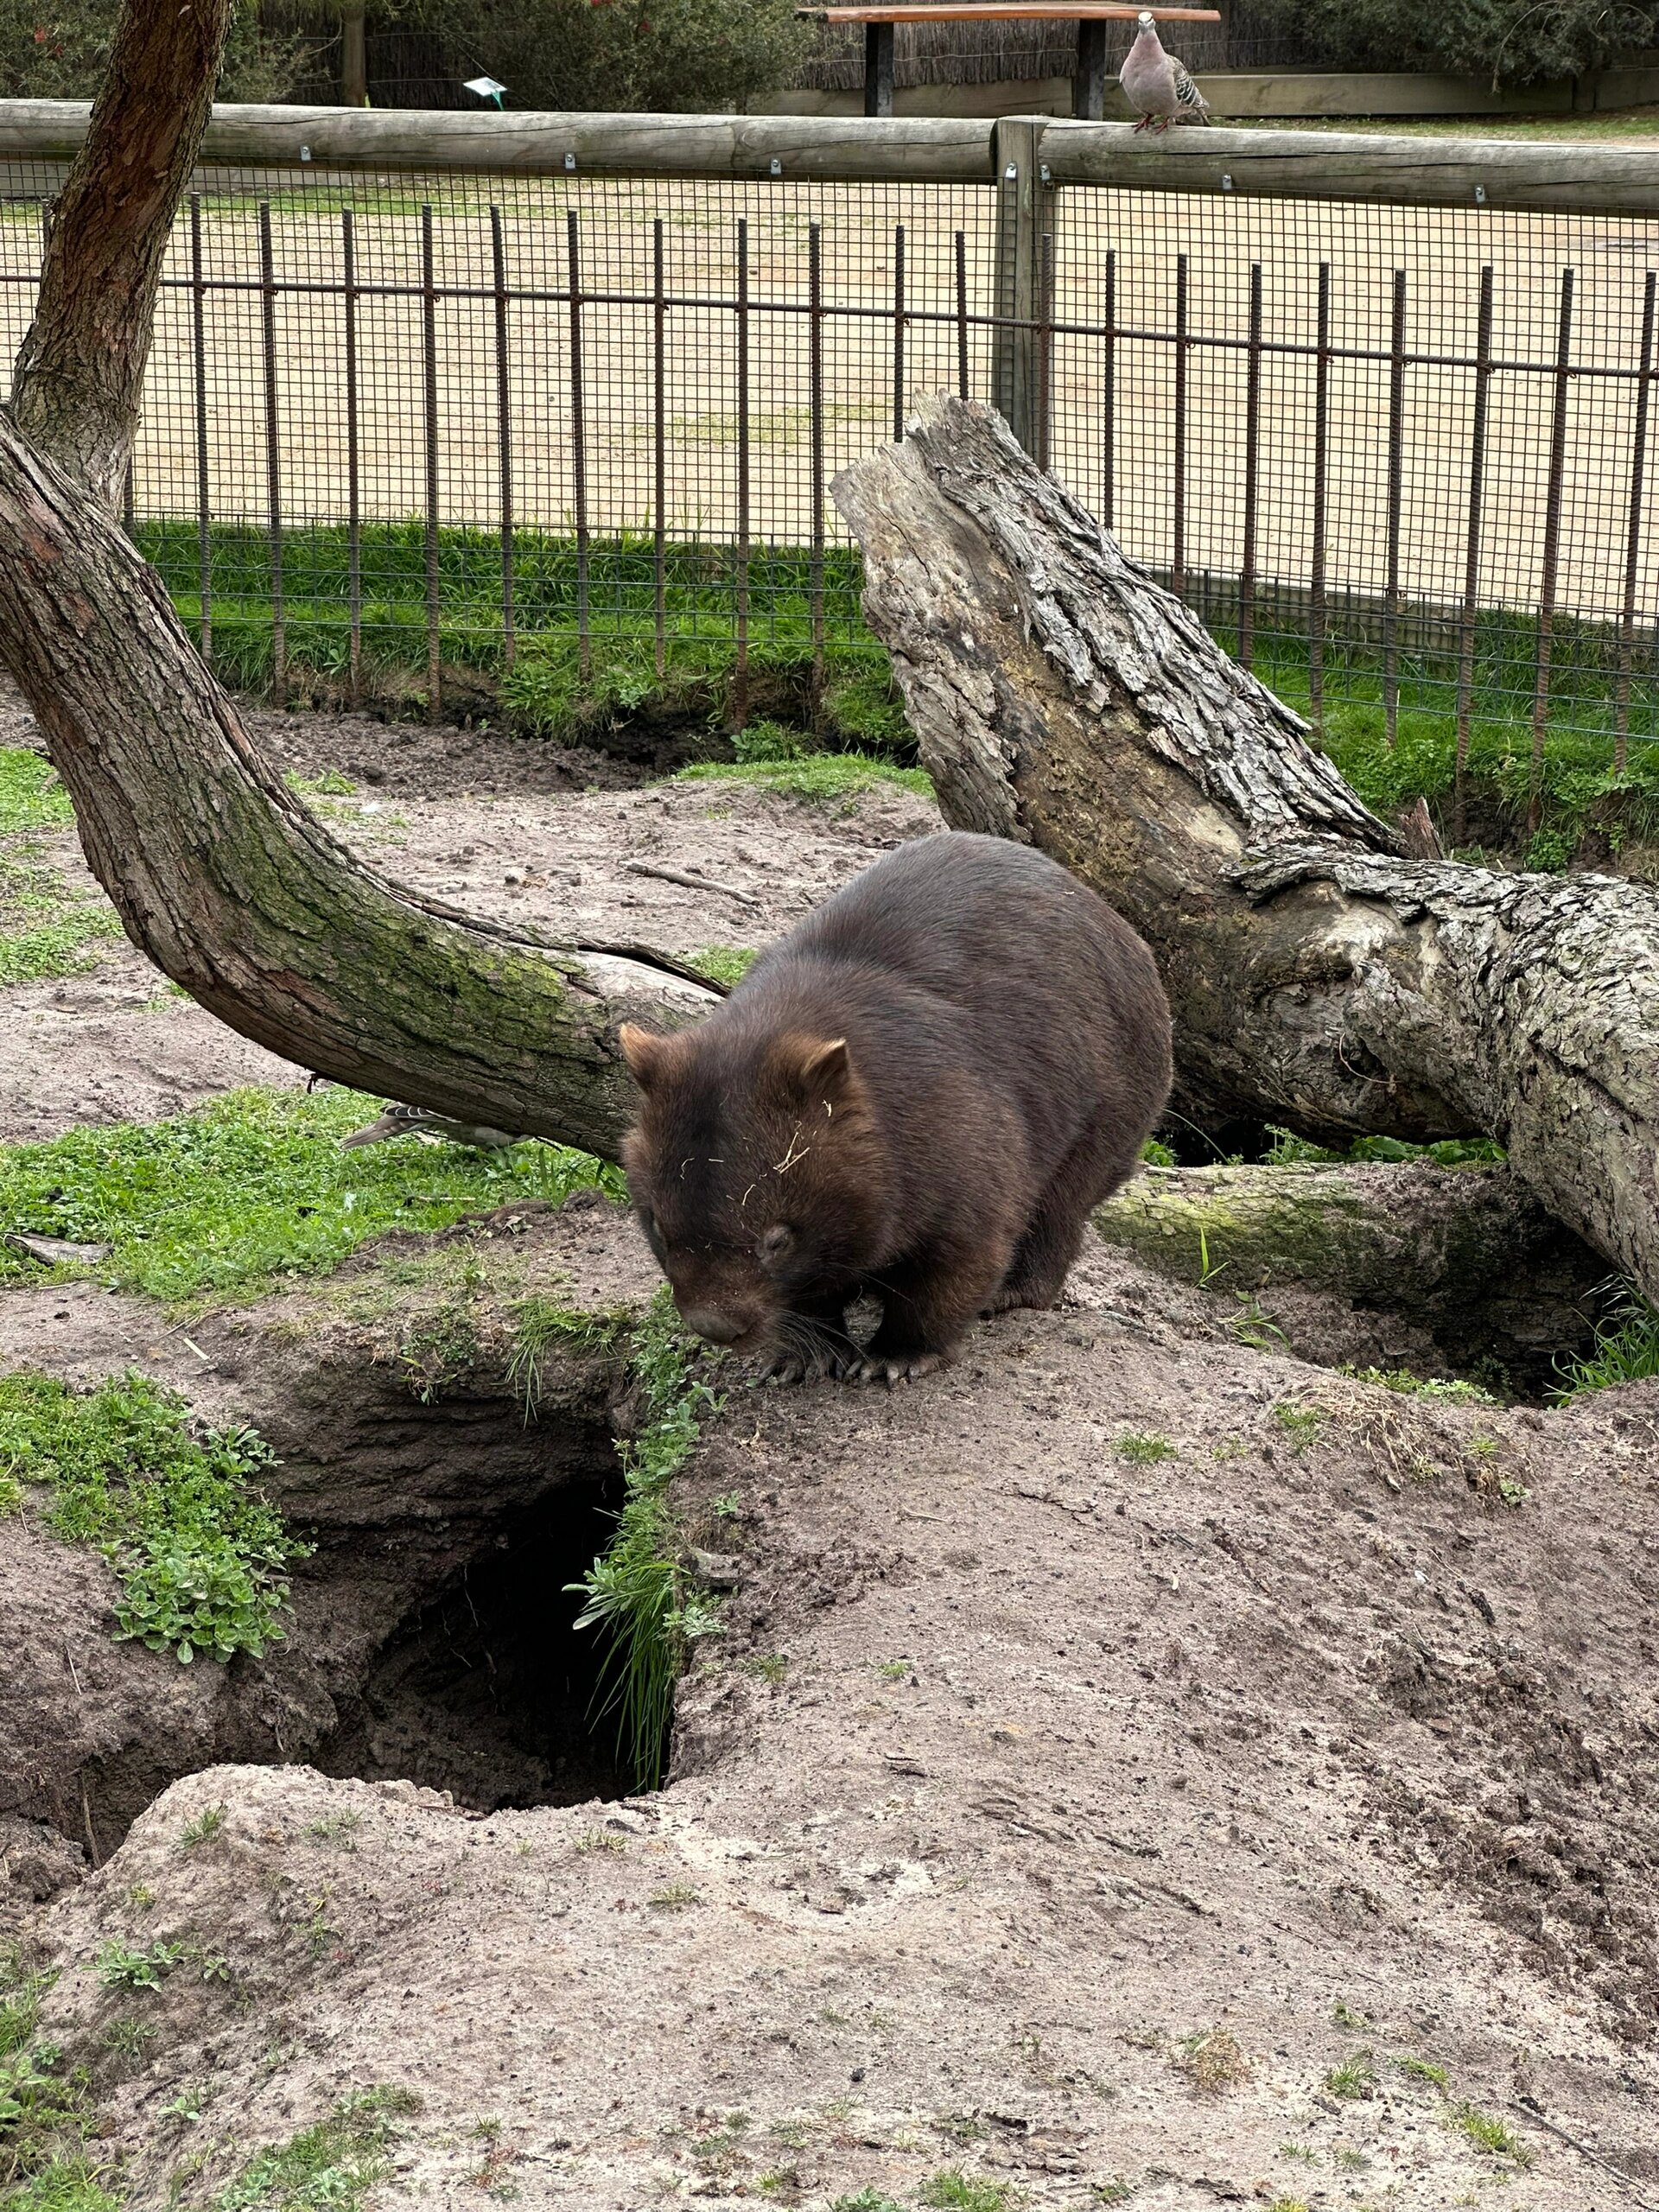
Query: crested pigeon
(1156, 84)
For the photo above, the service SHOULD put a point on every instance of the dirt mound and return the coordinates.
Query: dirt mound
(1130, 1756)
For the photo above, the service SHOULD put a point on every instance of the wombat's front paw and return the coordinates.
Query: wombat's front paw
(896, 1367)
(784, 1368)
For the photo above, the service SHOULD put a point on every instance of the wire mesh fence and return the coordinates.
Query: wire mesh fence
(1397, 456)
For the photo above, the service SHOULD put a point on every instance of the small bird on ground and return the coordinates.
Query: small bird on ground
(415, 1121)
(1156, 84)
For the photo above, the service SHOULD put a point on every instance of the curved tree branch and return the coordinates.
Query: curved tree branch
(79, 374)
(1317, 979)
(229, 883)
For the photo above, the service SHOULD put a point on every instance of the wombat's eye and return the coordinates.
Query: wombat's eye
(777, 1240)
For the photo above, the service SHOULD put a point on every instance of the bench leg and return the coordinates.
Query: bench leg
(878, 68)
(1089, 86)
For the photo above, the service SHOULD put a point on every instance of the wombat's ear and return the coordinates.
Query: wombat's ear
(644, 1052)
(824, 1068)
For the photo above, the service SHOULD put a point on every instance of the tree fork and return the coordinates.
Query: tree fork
(1318, 979)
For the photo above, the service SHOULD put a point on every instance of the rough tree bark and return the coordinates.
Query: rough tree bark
(218, 871)
(1318, 979)
(80, 372)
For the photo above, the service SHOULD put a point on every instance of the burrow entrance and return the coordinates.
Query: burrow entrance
(487, 1687)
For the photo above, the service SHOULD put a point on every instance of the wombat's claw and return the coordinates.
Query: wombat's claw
(902, 1367)
(784, 1370)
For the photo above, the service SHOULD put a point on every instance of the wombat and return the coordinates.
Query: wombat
(917, 1096)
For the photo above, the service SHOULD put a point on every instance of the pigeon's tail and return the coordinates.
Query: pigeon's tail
(1191, 106)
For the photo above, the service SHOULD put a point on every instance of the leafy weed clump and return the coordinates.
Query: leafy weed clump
(219, 1203)
(44, 2115)
(201, 1557)
(1142, 1447)
(635, 1592)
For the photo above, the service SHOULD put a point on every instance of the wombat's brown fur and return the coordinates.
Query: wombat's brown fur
(919, 1094)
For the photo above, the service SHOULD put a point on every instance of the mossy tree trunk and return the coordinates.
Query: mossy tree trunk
(218, 873)
(1318, 978)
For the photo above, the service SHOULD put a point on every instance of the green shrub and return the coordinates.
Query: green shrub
(60, 49)
(634, 54)
(1516, 41)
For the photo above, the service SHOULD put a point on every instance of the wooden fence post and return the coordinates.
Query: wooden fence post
(1025, 206)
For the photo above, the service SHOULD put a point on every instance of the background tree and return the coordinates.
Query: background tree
(59, 50)
(1516, 42)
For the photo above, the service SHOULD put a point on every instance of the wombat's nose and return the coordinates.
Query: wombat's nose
(710, 1321)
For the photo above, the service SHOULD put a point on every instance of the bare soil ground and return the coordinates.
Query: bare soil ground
(1132, 1756)
(510, 828)
(1043, 1812)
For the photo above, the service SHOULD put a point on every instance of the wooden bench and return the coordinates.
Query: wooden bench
(1088, 87)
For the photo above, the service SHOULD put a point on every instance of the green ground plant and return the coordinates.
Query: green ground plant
(956, 2191)
(635, 1593)
(220, 1203)
(44, 2114)
(1626, 1348)
(45, 929)
(1405, 1384)
(334, 2163)
(1141, 1448)
(1488, 2134)
(31, 797)
(200, 1559)
(817, 777)
(540, 1325)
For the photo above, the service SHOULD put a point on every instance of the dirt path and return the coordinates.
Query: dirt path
(513, 829)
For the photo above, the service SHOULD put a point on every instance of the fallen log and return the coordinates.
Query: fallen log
(1318, 978)
(1467, 1254)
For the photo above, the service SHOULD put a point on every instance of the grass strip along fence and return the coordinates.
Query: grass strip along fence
(1388, 716)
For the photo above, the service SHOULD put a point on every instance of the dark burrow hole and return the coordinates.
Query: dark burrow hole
(488, 1689)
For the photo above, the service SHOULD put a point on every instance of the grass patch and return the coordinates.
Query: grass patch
(44, 2116)
(31, 797)
(1626, 1348)
(961, 2192)
(1288, 1150)
(220, 1203)
(1421, 2070)
(200, 1558)
(540, 1325)
(818, 777)
(1300, 1426)
(334, 2163)
(1488, 2134)
(635, 1590)
(1355, 2077)
(1141, 1448)
(61, 947)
